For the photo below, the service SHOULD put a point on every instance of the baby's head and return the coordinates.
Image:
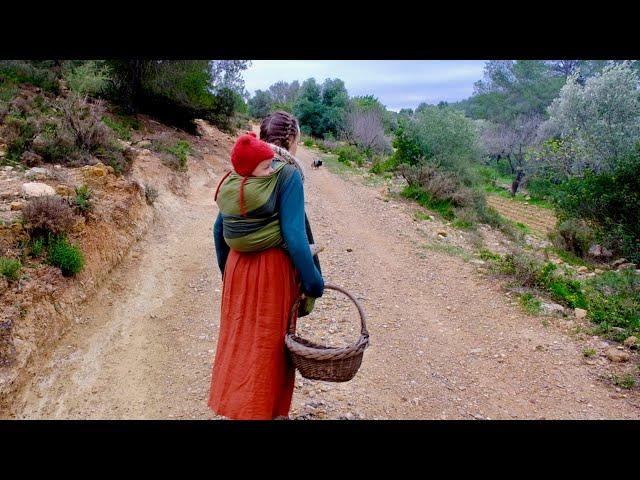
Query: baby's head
(252, 157)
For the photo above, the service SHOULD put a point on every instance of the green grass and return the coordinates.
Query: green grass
(122, 129)
(488, 255)
(613, 300)
(530, 304)
(10, 268)
(178, 151)
(421, 216)
(69, 258)
(626, 381)
(567, 257)
(589, 352)
(463, 224)
(443, 207)
(36, 247)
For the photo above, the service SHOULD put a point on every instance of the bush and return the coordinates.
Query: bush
(121, 130)
(36, 73)
(529, 272)
(574, 235)
(90, 77)
(174, 155)
(349, 154)
(69, 258)
(308, 142)
(48, 214)
(83, 194)
(10, 268)
(150, 193)
(36, 246)
(614, 301)
(18, 135)
(610, 202)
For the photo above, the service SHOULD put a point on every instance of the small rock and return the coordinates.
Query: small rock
(598, 251)
(552, 309)
(37, 172)
(36, 189)
(580, 313)
(583, 269)
(631, 341)
(16, 205)
(143, 144)
(619, 261)
(624, 266)
(442, 233)
(349, 249)
(616, 355)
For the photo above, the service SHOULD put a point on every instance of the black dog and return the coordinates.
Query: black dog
(316, 164)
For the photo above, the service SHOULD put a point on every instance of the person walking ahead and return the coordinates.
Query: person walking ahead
(263, 253)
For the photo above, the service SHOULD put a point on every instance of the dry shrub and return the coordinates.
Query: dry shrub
(48, 213)
(441, 185)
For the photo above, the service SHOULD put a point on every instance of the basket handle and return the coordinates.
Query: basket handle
(294, 309)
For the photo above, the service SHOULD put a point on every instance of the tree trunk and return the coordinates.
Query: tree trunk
(516, 183)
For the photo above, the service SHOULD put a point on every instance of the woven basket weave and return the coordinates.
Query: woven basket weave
(318, 362)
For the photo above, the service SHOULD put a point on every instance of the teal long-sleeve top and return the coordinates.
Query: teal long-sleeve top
(296, 233)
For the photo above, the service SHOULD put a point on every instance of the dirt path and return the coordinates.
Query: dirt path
(446, 343)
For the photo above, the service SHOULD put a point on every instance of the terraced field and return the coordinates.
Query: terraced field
(539, 220)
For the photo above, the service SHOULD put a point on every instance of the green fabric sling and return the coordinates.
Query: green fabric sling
(260, 228)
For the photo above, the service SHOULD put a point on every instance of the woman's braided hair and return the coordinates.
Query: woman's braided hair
(279, 128)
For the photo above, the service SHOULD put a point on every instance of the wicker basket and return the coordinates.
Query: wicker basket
(318, 362)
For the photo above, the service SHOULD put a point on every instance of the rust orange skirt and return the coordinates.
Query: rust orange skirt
(253, 376)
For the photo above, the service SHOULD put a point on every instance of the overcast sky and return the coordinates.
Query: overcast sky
(397, 83)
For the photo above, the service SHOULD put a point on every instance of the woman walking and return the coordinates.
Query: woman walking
(262, 239)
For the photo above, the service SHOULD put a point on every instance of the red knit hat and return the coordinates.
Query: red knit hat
(248, 152)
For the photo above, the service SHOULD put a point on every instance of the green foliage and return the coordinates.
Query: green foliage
(90, 77)
(609, 203)
(598, 121)
(488, 255)
(122, 125)
(511, 88)
(349, 154)
(36, 246)
(530, 304)
(443, 207)
(69, 258)
(321, 109)
(10, 268)
(438, 136)
(382, 165)
(175, 154)
(34, 72)
(308, 142)
(83, 195)
(529, 272)
(627, 381)
(589, 352)
(260, 105)
(614, 300)
(178, 91)
(19, 134)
